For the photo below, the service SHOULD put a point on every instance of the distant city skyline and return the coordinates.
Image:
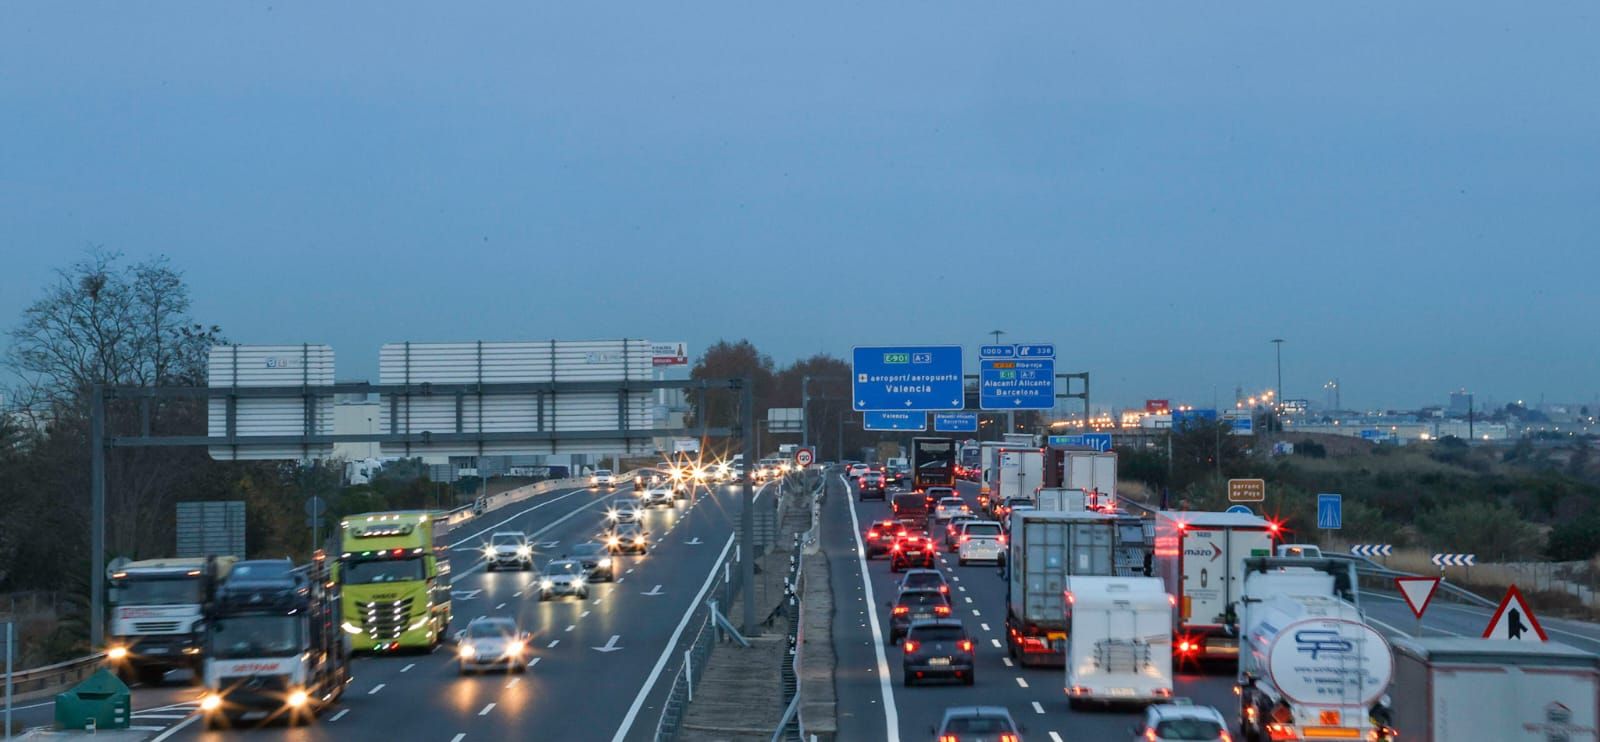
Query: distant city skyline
(1405, 193)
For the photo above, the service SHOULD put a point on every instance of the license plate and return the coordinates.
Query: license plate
(1121, 691)
(939, 661)
(922, 615)
(156, 650)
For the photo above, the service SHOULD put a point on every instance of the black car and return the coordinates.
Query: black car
(627, 538)
(937, 648)
(872, 484)
(952, 531)
(881, 536)
(596, 558)
(920, 604)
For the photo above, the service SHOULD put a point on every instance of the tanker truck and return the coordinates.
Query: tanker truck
(1310, 668)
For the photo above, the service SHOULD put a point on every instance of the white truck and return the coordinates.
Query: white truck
(1094, 472)
(1119, 640)
(1021, 473)
(1310, 667)
(1045, 549)
(1200, 558)
(1541, 690)
(157, 614)
(1056, 499)
(988, 471)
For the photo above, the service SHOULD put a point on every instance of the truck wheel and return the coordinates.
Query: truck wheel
(962, 562)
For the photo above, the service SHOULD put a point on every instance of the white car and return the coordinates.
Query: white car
(492, 642)
(626, 511)
(1180, 720)
(508, 549)
(602, 478)
(856, 470)
(980, 541)
(949, 506)
(564, 577)
(658, 494)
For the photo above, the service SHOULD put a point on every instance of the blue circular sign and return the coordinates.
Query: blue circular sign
(1240, 509)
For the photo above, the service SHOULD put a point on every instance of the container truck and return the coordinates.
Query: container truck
(1047, 548)
(1200, 556)
(1119, 637)
(988, 473)
(1058, 500)
(158, 614)
(273, 643)
(1021, 473)
(933, 463)
(395, 585)
(1310, 668)
(1541, 690)
(1094, 472)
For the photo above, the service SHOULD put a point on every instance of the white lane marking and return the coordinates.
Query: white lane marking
(1055, 737)
(553, 644)
(1022, 683)
(140, 715)
(585, 614)
(974, 611)
(1037, 709)
(480, 565)
(891, 714)
(969, 599)
(517, 594)
(1006, 660)
(672, 644)
(984, 626)
(533, 662)
(162, 737)
(502, 606)
(339, 715)
(407, 668)
(995, 642)
(512, 683)
(376, 688)
(487, 709)
(629, 571)
(460, 736)
(962, 588)
(955, 579)
(571, 626)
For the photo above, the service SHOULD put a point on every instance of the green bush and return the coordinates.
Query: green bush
(1493, 532)
(1574, 540)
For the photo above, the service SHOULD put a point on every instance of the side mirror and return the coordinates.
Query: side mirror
(462, 634)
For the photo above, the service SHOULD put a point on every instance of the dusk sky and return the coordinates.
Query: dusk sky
(1409, 193)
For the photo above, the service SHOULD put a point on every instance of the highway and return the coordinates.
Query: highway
(872, 702)
(596, 662)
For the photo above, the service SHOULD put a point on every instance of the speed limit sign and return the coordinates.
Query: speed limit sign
(804, 456)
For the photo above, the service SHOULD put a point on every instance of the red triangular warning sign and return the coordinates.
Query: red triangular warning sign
(1513, 619)
(1417, 591)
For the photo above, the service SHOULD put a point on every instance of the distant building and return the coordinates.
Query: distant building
(356, 416)
(1460, 402)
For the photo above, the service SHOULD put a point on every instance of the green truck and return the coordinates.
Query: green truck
(395, 583)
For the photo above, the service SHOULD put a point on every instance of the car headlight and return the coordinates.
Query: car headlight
(117, 653)
(524, 551)
(349, 628)
(613, 541)
(210, 702)
(515, 649)
(298, 699)
(467, 652)
(611, 515)
(606, 562)
(547, 583)
(638, 539)
(488, 552)
(577, 582)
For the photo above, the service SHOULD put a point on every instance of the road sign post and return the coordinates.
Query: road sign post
(804, 457)
(906, 378)
(1247, 490)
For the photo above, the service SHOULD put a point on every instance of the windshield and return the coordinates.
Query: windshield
(382, 570)
(1188, 729)
(557, 569)
(923, 579)
(490, 630)
(602, 472)
(935, 633)
(977, 725)
(983, 529)
(255, 636)
(185, 591)
(506, 539)
(922, 599)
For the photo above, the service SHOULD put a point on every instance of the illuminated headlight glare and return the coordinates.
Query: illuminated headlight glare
(467, 652)
(547, 584)
(488, 551)
(606, 562)
(613, 541)
(117, 653)
(524, 551)
(298, 698)
(349, 628)
(210, 702)
(638, 539)
(611, 515)
(577, 582)
(515, 649)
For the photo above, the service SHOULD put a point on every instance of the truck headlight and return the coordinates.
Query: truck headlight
(210, 702)
(117, 654)
(298, 699)
(349, 628)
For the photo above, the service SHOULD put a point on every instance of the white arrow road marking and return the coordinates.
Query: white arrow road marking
(694, 541)
(611, 644)
(464, 594)
(549, 544)
(653, 591)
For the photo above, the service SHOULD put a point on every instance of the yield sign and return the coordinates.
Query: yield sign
(1513, 619)
(1417, 591)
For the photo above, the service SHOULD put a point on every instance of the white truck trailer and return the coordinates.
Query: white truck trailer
(1119, 640)
(1540, 690)
(1310, 667)
(1200, 557)
(1046, 548)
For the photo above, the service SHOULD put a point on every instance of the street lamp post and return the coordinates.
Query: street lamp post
(1278, 344)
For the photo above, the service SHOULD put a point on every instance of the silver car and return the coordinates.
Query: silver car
(564, 577)
(509, 549)
(625, 511)
(490, 642)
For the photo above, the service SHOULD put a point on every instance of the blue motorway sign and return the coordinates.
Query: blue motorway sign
(1016, 384)
(1093, 441)
(997, 351)
(1330, 511)
(1240, 509)
(1183, 418)
(895, 421)
(1039, 350)
(926, 377)
(955, 422)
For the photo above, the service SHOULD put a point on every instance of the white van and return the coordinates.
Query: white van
(1119, 640)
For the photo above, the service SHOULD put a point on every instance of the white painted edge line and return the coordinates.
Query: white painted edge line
(891, 714)
(672, 644)
(517, 515)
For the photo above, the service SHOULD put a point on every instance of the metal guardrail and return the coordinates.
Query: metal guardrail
(37, 681)
(676, 705)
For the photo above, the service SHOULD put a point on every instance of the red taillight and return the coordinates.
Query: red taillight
(965, 538)
(948, 738)
(1002, 539)
(1008, 737)
(872, 535)
(1187, 646)
(965, 645)
(944, 588)
(909, 645)
(901, 610)
(897, 547)
(1150, 734)
(1225, 737)
(941, 610)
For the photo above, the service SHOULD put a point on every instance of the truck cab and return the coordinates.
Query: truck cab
(157, 614)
